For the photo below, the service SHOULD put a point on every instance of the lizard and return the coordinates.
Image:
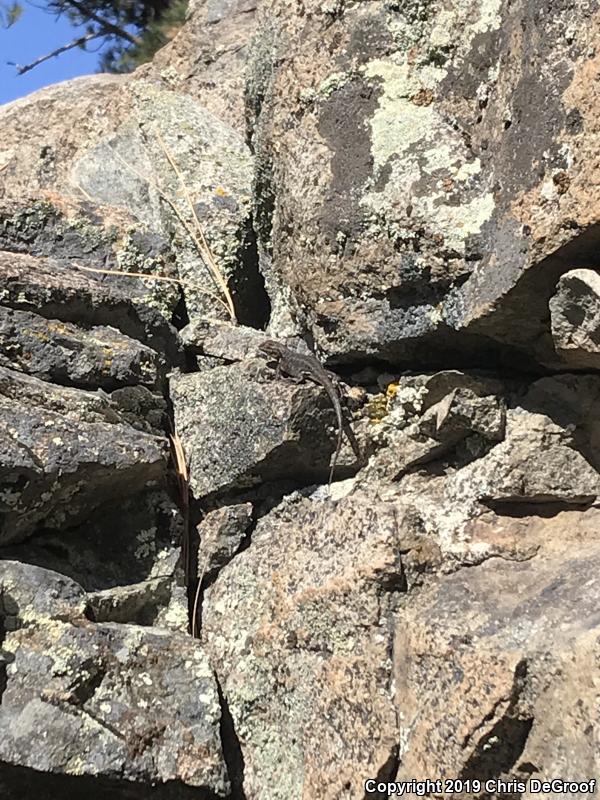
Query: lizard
(305, 365)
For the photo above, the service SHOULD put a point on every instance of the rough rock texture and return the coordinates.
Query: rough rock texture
(108, 141)
(444, 157)
(221, 534)
(207, 59)
(575, 314)
(64, 353)
(57, 292)
(56, 465)
(243, 428)
(301, 645)
(144, 585)
(410, 190)
(117, 700)
(484, 657)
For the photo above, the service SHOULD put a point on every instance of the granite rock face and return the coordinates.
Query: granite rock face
(410, 190)
(139, 151)
(297, 627)
(208, 57)
(485, 656)
(444, 185)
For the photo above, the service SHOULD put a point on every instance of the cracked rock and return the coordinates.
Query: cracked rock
(61, 352)
(62, 293)
(301, 647)
(116, 701)
(242, 427)
(56, 465)
(484, 657)
(221, 533)
(144, 585)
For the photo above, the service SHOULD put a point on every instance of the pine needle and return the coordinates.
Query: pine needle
(197, 235)
(204, 249)
(149, 277)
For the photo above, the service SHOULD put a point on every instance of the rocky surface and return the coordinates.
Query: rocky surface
(445, 185)
(208, 57)
(243, 428)
(140, 150)
(410, 190)
(575, 315)
(117, 700)
(302, 645)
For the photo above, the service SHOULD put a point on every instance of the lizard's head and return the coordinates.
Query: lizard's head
(270, 349)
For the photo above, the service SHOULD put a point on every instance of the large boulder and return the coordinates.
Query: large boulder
(444, 186)
(112, 149)
(297, 627)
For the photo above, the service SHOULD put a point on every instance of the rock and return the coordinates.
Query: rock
(463, 413)
(570, 401)
(537, 463)
(575, 313)
(483, 657)
(207, 58)
(144, 585)
(403, 451)
(99, 357)
(56, 466)
(125, 159)
(57, 292)
(241, 428)
(141, 408)
(433, 173)
(440, 385)
(115, 701)
(138, 603)
(296, 626)
(221, 533)
(29, 594)
(93, 236)
(469, 511)
(462, 417)
(223, 341)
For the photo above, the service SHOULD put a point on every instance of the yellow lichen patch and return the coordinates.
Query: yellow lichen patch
(376, 409)
(43, 337)
(58, 327)
(221, 192)
(392, 390)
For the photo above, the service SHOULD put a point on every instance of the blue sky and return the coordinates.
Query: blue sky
(35, 34)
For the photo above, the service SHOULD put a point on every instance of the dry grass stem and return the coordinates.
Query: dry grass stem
(197, 235)
(182, 473)
(165, 278)
(181, 466)
(205, 250)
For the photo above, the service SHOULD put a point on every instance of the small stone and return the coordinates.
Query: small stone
(575, 317)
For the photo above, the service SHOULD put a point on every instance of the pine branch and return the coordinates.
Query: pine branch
(106, 25)
(22, 69)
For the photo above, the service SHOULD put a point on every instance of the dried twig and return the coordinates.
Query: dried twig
(81, 40)
(204, 248)
(152, 277)
(196, 236)
(182, 473)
